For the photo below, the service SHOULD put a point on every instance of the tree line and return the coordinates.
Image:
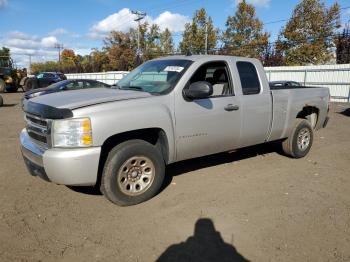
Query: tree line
(310, 36)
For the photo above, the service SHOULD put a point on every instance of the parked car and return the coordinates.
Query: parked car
(284, 83)
(65, 85)
(41, 80)
(166, 110)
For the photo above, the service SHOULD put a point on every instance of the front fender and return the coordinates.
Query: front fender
(113, 118)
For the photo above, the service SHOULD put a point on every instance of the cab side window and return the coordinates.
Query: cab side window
(74, 85)
(217, 74)
(249, 78)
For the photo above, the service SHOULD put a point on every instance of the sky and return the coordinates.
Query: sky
(34, 27)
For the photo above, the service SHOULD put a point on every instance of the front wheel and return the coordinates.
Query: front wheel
(299, 142)
(133, 173)
(2, 86)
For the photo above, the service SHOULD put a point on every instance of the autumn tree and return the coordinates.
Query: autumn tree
(67, 54)
(194, 36)
(309, 33)
(120, 49)
(69, 61)
(166, 41)
(244, 34)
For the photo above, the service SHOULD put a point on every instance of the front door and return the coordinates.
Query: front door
(210, 125)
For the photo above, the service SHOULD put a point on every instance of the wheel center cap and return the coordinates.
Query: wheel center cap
(134, 173)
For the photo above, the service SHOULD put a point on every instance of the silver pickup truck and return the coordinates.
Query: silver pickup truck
(166, 110)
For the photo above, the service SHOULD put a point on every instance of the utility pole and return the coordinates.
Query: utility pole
(139, 17)
(29, 71)
(59, 47)
(206, 38)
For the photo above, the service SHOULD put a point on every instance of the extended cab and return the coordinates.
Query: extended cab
(166, 110)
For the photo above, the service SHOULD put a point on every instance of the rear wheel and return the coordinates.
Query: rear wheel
(299, 142)
(2, 86)
(30, 84)
(133, 173)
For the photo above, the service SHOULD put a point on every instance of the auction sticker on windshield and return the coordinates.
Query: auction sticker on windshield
(174, 69)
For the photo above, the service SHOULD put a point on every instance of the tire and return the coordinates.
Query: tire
(2, 86)
(133, 173)
(12, 89)
(30, 84)
(299, 143)
(1, 101)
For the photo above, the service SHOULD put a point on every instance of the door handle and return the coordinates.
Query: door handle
(231, 107)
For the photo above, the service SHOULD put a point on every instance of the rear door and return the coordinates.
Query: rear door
(209, 125)
(46, 80)
(256, 103)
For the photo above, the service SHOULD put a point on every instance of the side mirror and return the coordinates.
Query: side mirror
(198, 90)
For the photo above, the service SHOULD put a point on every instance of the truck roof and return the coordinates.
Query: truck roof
(203, 57)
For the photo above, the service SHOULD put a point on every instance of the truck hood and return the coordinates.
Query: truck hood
(86, 97)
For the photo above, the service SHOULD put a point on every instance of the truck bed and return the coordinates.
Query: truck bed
(292, 87)
(287, 103)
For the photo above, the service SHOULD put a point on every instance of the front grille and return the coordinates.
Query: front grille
(38, 129)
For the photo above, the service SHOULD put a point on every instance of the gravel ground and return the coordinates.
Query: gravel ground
(254, 204)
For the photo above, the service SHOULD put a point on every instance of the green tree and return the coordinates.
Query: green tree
(166, 42)
(152, 38)
(244, 35)
(193, 38)
(308, 35)
(4, 52)
(343, 46)
(152, 48)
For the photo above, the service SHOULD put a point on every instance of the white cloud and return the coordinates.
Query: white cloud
(58, 31)
(62, 31)
(120, 21)
(174, 22)
(124, 20)
(22, 44)
(48, 41)
(3, 3)
(261, 3)
(21, 40)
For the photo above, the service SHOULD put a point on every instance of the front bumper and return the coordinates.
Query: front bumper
(61, 166)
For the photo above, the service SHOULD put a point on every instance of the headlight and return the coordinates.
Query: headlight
(35, 94)
(8, 79)
(72, 133)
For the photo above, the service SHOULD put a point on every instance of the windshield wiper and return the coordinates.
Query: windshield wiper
(136, 88)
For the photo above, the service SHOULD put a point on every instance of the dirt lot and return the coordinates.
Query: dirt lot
(254, 205)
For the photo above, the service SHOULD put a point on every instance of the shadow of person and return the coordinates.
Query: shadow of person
(205, 245)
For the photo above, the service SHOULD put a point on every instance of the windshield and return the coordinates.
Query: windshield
(59, 84)
(156, 77)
